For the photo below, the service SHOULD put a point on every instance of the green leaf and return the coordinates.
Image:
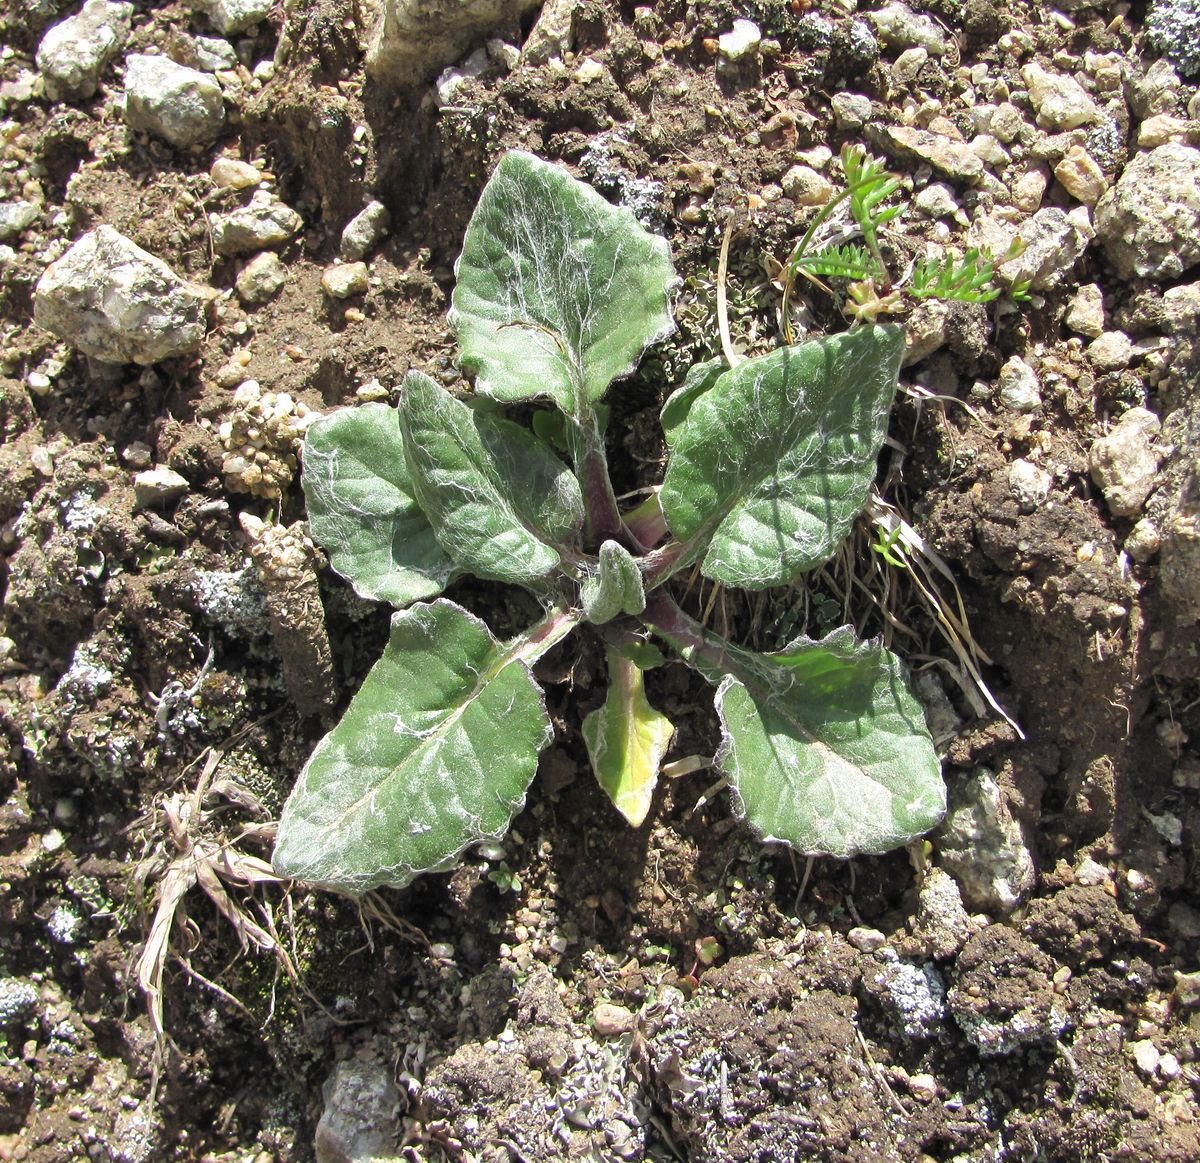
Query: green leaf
(772, 464)
(498, 499)
(434, 753)
(700, 377)
(615, 588)
(362, 510)
(558, 291)
(626, 740)
(826, 749)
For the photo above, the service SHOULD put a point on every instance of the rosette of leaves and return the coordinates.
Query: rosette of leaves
(558, 294)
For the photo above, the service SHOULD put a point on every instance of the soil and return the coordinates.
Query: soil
(768, 1011)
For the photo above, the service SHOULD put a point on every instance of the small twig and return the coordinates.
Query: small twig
(731, 357)
(877, 1070)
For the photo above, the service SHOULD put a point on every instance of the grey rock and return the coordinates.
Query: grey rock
(15, 217)
(212, 54)
(412, 40)
(1157, 91)
(1144, 540)
(118, 303)
(1029, 484)
(365, 231)
(1124, 463)
(232, 16)
(1085, 315)
(1149, 222)
(261, 279)
(181, 105)
(1020, 389)
(158, 486)
(1111, 351)
(851, 110)
(899, 26)
(1053, 241)
(936, 201)
(553, 32)
(265, 223)
(1060, 102)
(73, 54)
(360, 1120)
(1175, 508)
(981, 846)
(1173, 29)
(953, 158)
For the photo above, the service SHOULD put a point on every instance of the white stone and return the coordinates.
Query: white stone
(806, 187)
(15, 217)
(73, 53)
(116, 302)
(181, 105)
(1111, 351)
(158, 486)
(1124, 463)
(213, 54)
(344, 280)
(742, 41)
(1147, 1056)
(411, 41)
(1085, 315)
(1149, 222)
(1029, 484)
(364, 232)
(909, 65)
(261, 279)
(232, 16)
(230, 173)
(1020, 390)
(936, 201)
(897, 25)
(265, 223)
(1060, 102)
(866, 939)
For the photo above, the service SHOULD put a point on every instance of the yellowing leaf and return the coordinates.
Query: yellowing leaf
(627, 739)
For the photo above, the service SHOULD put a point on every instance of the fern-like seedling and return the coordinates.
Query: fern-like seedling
(869, 186)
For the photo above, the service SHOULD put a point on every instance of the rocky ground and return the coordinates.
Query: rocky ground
(218, 221)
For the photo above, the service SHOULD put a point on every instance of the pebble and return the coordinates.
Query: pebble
(344, 280)
(1186, 993)
(265, 223)
(1006, 123)
(1158, 130)
(1029, 484)
(158, 486)
(1089, 872)
(1124, 463)
(742, 41)
(365, 231)
(73, 53)
(936, 201)
(1085, 315)
(1020, 389)
(1060, 102)
(909, 65)
(953, 158)
(1053, 241)
(1079, 174)
(261, 279)
(611, 1020)
(806, 187)
(1147, 1057)
(866, 940)
(360, 1120)
(851, 110)
(923, 1087)
(15, 217)
(181, 105)
(230, 173)
(1029, 188)
(116, 302)
(212, 54)
(1149, 222)
(1144, 540)
(1111, 351)
(232, 16)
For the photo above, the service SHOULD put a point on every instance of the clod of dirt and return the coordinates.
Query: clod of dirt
(1004, 997)
(73, 53)
(115, 302)
(1080, 923)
